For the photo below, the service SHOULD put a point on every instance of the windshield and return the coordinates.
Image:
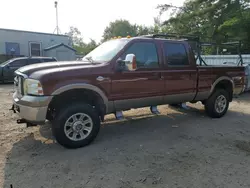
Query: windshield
(106, 51)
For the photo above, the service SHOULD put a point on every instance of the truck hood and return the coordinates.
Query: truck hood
(54, 67)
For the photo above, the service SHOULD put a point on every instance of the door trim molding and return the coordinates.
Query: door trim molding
(120, 105)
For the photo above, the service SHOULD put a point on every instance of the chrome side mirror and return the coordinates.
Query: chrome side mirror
(130, 62)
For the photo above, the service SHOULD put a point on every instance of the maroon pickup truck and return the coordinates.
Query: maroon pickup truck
(118, 75)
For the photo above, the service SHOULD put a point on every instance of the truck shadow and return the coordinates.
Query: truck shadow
(244, 97)
(135, 121)
(49, 162)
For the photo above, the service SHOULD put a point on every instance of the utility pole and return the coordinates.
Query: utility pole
(57, 27)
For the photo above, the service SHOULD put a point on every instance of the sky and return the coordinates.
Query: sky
(89, 16)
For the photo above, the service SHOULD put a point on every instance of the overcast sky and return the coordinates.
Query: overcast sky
(89, 16)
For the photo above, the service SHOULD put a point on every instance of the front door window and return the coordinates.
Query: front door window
(145, 53)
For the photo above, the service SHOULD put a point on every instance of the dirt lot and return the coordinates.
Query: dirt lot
(179, 148)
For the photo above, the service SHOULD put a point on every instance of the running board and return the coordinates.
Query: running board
(153, 109)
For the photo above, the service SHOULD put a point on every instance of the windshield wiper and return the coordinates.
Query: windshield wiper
(90, 59)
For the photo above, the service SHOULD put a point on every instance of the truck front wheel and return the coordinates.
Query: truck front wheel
(217, 104)
(76, 125)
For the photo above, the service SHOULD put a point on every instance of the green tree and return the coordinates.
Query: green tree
(75, 36)
(119, 28)
(216, 20)
(77, 41)
(124, 28)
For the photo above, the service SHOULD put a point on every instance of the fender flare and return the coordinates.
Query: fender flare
(82, 86)
(219, 80)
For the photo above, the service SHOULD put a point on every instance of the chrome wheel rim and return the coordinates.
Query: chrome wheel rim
(78, 126)
(220, 103)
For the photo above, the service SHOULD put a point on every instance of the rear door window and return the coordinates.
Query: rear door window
(175, 54)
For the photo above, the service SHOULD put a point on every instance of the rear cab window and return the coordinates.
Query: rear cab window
(175, 54)
(145, 53)
(34, 61)
(49, 60)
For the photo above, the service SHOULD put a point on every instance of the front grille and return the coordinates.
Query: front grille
(18, 82)
(21, 85)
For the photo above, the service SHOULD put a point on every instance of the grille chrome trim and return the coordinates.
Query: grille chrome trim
(19, 81)
(21, 74)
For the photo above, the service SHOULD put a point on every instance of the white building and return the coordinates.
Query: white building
(16, 43)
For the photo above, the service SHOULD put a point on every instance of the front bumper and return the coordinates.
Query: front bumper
(32, 108)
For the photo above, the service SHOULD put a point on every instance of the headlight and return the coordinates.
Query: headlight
(32, 87)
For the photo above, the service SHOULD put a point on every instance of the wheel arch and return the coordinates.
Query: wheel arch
(223, 82)
(83, 92)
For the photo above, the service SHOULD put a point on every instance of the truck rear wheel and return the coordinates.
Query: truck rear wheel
(76, 125)
(217, 104)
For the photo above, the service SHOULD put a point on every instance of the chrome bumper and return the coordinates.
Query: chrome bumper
(32, 108)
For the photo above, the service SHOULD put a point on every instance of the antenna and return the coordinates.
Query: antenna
(57, 27)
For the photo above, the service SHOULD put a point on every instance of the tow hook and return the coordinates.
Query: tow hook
(20, 121)
(13, 108)
(28, 124)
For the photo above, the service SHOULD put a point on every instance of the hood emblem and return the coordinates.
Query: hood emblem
(100, 78)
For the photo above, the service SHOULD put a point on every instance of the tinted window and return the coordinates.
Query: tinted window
(18, 63)
(175, 54)
(145, 53)
(49, 60)
(33, 61)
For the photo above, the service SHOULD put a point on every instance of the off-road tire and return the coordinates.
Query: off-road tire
(63, 115)
(210, 103)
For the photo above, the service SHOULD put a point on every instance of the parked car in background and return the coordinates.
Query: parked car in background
(8, 68)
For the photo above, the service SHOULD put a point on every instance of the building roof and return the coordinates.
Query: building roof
(58, 45)
(3, 29)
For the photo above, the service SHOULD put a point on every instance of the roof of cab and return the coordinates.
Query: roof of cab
(148, 37)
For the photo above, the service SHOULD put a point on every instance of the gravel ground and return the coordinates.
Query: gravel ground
(179, 148)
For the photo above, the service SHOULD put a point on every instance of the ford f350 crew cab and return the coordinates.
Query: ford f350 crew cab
(119, 75)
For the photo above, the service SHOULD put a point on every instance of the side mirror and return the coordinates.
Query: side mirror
(130, 62)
